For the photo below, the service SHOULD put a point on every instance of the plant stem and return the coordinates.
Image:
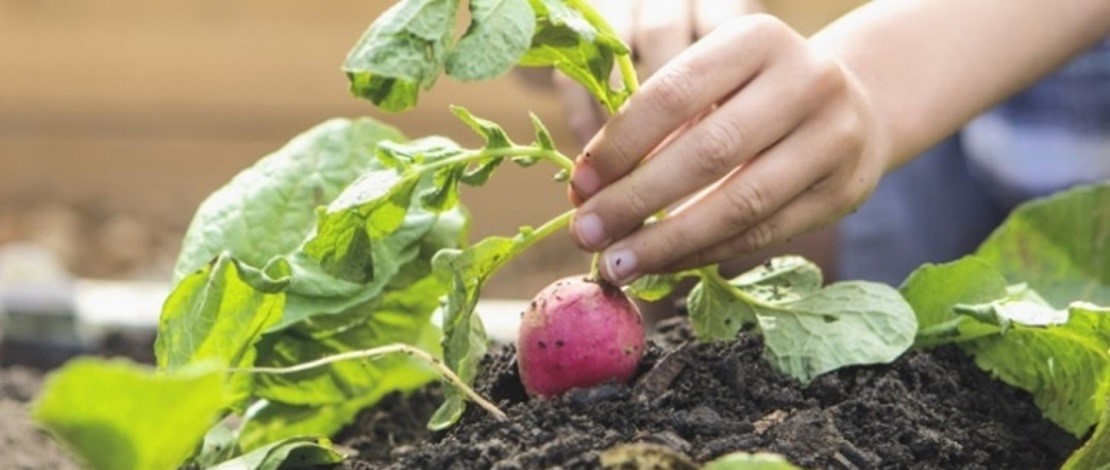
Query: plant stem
(378, 352)
(624, 61)
(554, 156)
(712, 274)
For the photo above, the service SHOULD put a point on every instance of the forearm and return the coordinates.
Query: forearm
(929, 66)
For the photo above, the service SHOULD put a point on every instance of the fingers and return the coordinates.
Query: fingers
(809, 212)
(704, 74)
(747, 198)
(753, 120)
(663, 30)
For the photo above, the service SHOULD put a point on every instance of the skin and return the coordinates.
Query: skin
(757, 134)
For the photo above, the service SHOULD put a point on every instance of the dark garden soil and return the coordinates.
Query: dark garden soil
(927, 410)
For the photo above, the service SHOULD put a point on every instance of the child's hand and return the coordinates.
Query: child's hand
(770, 136)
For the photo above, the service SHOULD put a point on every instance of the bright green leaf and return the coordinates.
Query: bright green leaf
(120, 416)
(464, 338)
(934, 290)
(716, 313)
(267, 209)
(499, 33)
(565, 39)
(1058, 246)
(403, 51)
(654, 287)
(1066, 367)
(1095, 454)
(218, 314)
(399, 316)
(291, 453)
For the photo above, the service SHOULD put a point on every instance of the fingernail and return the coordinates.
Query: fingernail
(620, 265)
(590, 231)
(585, 181)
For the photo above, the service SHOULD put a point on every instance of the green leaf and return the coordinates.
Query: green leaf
(1057, 245)
(117, 416)
(267, 209)
(746, 461)
(398, 316)
(499, 33)
(1066, 367)
(807, 330)
(320, 401)
(403, 51)
(565, 39)
(294, 452)
(934, 290)
(218, 314)
(847, 323)
(1020, 305)
(781, 279)
(654, 287)
(1095, 454)
(218, 445)
(716, 313)
(464, 338)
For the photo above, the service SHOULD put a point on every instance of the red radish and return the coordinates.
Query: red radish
(578, 333)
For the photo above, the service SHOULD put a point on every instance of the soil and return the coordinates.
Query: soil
(932, 409)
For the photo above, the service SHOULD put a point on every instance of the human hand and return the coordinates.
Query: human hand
(656, 31)
(767, 136)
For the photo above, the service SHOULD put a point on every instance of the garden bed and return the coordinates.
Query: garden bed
(928, 409)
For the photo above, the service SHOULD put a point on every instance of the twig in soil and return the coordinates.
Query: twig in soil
(374, 353)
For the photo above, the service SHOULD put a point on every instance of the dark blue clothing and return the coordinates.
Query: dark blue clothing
(939, 207)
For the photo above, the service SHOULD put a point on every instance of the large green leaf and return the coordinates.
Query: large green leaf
(808, 330)
(1066, 367)
(218, 314)
(264, 215)
(934, 290)
(267, 210)
(1095, 454)
(120, 416)
(403, 51)
(566, 39)
(1059, 245)
(321, 400)
(846, 323)
(499, 33)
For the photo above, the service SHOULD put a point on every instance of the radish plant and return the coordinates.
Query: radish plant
(306, 287)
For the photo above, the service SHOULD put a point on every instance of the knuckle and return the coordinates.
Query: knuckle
(674, 88)
(762, 27)
(758, 237)
(747, 203)
(714, 146)
(635, 204)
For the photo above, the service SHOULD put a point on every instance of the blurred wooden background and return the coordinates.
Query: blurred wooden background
(143, 108)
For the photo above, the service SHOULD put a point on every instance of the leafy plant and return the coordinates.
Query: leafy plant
(1024, 306)
(306, 287)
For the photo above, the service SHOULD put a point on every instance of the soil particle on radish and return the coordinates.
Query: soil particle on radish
(926, 410)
